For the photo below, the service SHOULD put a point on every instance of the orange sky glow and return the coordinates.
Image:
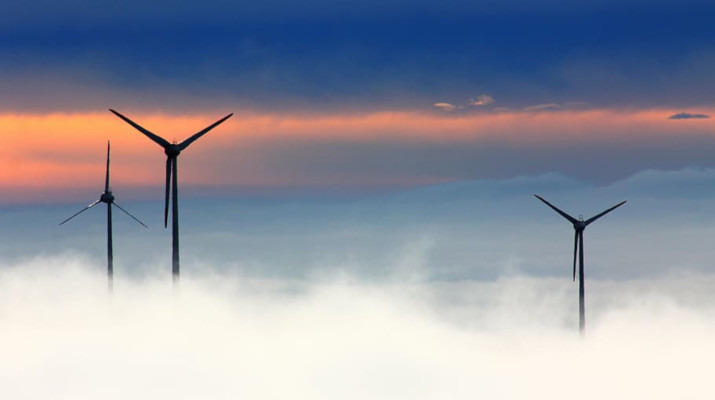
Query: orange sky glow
(67, 150)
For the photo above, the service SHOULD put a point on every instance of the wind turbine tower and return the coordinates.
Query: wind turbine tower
(172, 151)
(108, 198)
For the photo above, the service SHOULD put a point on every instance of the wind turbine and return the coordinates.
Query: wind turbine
(172, 151)
(579, 225)
(108, 198)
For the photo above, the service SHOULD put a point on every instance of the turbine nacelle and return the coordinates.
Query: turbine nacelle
(172, 150)
(107, 197)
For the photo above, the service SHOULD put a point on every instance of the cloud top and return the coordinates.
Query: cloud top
(231, 338)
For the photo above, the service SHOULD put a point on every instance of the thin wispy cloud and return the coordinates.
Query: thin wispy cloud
(554, 106)
(482, 100)
(686, 115)
(445, 106)
(479, 101)
(544, 107)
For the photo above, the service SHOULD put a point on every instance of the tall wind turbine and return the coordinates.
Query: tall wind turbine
(172, 151)
(108, 198)
(579, 225)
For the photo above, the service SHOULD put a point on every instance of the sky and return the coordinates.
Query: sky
(357, 96)
(364, 225)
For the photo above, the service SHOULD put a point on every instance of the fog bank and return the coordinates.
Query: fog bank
(226, 337)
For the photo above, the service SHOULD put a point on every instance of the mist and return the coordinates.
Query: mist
(471, 230)
(452, 291)
(229, 337)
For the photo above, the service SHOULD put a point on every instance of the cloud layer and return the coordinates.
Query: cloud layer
(224, 338)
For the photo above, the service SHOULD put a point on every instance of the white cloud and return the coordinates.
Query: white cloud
(481, 100)
(219, 338)
(445, 106)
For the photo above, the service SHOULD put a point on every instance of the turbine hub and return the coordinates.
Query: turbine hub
(107, 197)
(579, 225)
(172, 150)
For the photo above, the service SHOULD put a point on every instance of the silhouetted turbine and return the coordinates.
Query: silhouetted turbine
(579, 225)
(108, 198)
(172, 151)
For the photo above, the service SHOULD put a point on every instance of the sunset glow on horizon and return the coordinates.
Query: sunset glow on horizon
(67, 149)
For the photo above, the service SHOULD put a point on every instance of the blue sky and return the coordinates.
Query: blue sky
(353, 56)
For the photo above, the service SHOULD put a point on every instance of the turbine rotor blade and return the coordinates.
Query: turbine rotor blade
(106, 181)
(159, 140)
(575, 250)
(127, 212)
(166, 197)
(563, 214)
(595, 217)
(197, 135)
(81, 211)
